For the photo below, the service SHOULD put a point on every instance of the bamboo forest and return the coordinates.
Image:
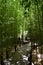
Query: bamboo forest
(21, 32)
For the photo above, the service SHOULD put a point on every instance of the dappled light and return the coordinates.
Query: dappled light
(21, 32)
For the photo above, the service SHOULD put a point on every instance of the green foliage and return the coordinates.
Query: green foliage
(11, 19)
(19, 16)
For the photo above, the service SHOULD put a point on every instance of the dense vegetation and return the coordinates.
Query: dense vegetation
(17, 17)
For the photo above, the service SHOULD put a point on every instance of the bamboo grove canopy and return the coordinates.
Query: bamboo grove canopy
(17, 16)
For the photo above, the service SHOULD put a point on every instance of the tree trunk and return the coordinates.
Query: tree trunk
(2, 63)
(15, 47)
(7, 54)
(1, 57)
